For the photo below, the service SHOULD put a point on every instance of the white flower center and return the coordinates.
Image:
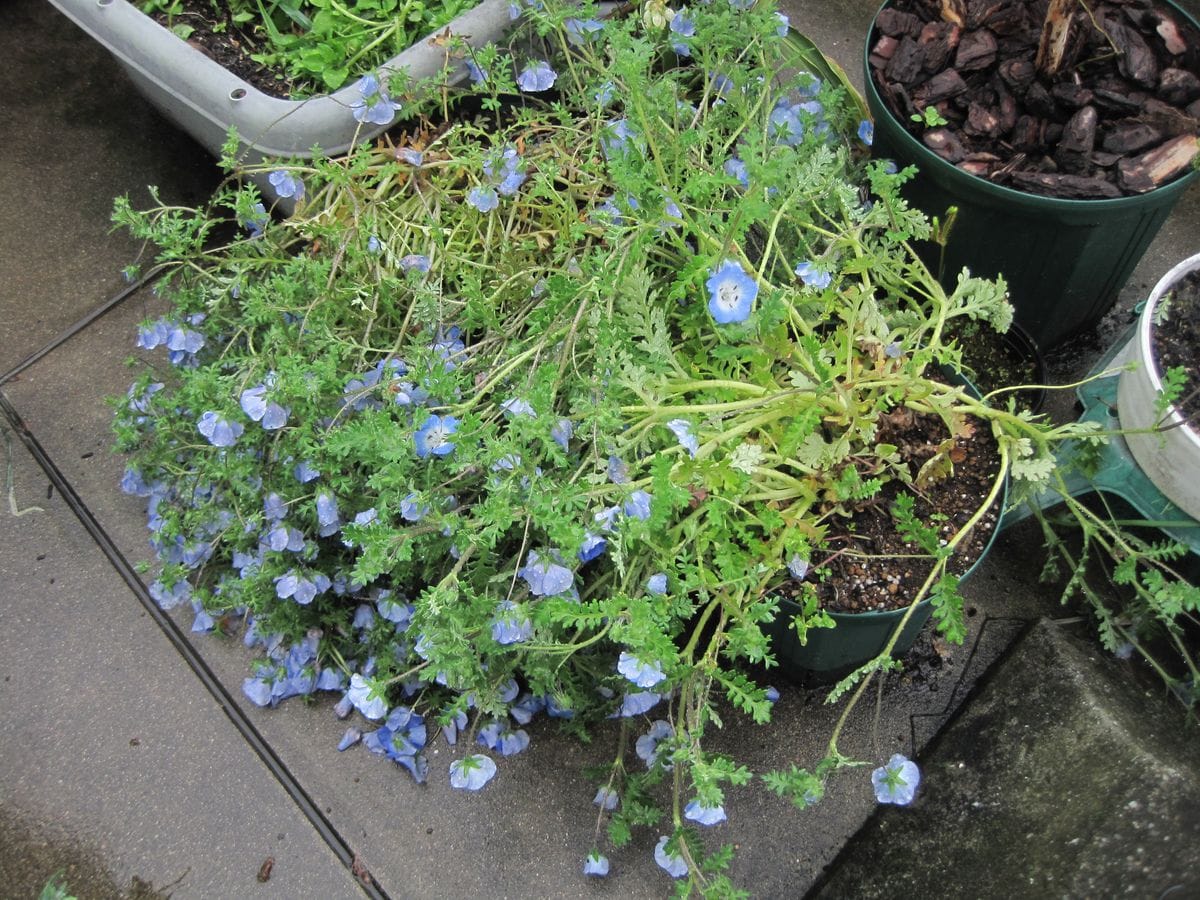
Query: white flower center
(729, 295)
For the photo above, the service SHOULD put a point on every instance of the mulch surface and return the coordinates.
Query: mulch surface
(1119, 116)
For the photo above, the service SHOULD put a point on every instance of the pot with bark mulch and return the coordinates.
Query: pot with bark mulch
(873, 570)
(1063, 133)
(1167, 341)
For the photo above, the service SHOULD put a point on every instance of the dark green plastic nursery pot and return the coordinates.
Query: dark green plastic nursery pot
(1065, 261)
(856, 637)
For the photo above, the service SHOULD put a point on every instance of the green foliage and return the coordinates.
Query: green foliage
(1174, 380)
(56, 889)
(930, 117)
(318, 45)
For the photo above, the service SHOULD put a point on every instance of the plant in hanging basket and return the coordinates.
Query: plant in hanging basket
(1069, 129)
(535, 410)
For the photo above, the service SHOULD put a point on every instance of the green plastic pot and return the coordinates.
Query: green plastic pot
(1065, 261)
(856, 638)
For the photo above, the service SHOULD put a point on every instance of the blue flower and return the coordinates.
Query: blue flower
(607, 518)
(682, 429)
(510, 626)
(203, 621)
(582, 31)
(562, 431)
(471, 772)
(415, 262)
(484, 199)
(282, 537)
(286, 184)
(705, 815)
(506, 170)
(475, 73)
(140, 402)
(514, 407)
(507, 463)
(364, 617)
(360, 694)
(133, 483)
(771, 693)
(606, 798)
(406, 732)
(303, 472)
(682, 27)
(735, 168)
(866, 132)
(672, 863)
(616, 136)
(637, 703)
(657, 584)
(812, 278)
(432, 438)
(302, 589)
(782, 28)
(638, 505)
(593, 545)
(153, 335)
(798, 566)
(254, 404)
(412, 509)
(618, 472)
(731, 293)
(897, 781)
(414, 158)
(537, 76)
(556, 710)
(257, 690)
(219, 430)
(374, 245)
(374, 106)
(349, 739)
(401, 739)
(720, 84)
(448, 344)
(646, 746)
(457, 723)
(498, 736)
(605, 94)
(545, 577)
(786, 126)
(595, 864)
(893, 350)
(183, 344)
(257, 221)
(399, 614)
(331, 679)
(274, 507)
(643, 674)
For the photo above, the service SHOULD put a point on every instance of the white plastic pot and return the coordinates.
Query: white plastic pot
(1169, 455)
(205, 99)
